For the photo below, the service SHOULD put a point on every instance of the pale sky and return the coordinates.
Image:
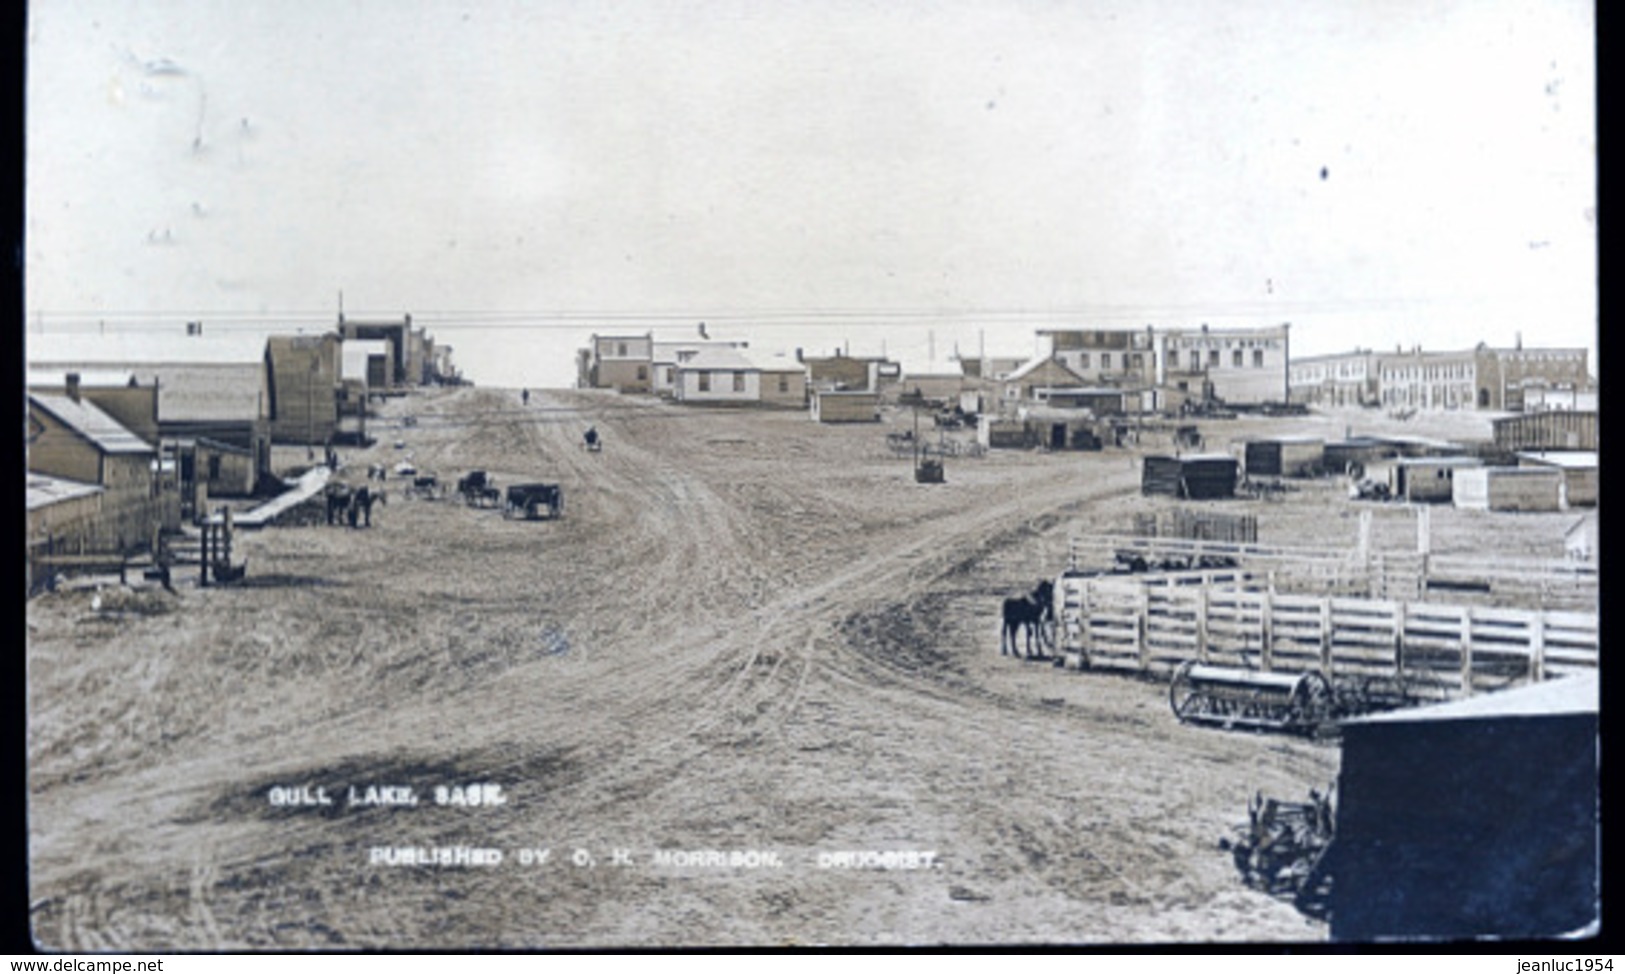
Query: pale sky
(1373, 172)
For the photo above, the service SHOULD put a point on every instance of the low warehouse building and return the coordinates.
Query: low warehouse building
(1579, 469)
(1475, 818)
(1198, 476)
(1286, 456)
(1509, 489)
(1003, 433)
(1555, 430)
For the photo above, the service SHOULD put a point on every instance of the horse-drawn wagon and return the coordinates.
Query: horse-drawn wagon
(534, 501)
(479, 489)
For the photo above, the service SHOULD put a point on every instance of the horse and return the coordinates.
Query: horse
(361, 502)
(1030, 612)
(338, 502)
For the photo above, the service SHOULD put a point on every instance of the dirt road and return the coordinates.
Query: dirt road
(747, 634)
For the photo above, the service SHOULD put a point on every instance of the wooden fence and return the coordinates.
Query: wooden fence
(1403, 575)
(1151, 624)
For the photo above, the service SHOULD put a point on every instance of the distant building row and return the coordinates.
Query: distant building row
(1505, 379)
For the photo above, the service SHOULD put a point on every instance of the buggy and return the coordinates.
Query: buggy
(531, 500)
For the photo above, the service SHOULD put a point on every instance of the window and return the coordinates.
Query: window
(1235, 358)
(739, 382)
(1258, 358)
(1083, 360)
(671, 375)
(1213, 358)
(214, 466)
(1173, 358)
(1137, 361)
(1105, 361)
(643, 373)
(784, 384)
(705, 382)
(620, 349)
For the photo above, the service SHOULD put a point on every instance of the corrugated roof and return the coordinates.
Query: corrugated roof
(133, 349)
(91, 423)
(44, 491)
(1568, 459)
(1575, 694)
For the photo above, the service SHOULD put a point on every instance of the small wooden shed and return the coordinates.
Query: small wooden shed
(1196, 476)
(1286, 456)
(1509, 489)
(1427, 480)
(1579, 469)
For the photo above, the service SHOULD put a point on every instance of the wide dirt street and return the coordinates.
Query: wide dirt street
(748, 633)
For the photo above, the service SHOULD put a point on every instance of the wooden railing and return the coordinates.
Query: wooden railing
(1403, 575)
(1151, 624)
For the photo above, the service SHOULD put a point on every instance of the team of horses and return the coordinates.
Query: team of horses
(352, 505)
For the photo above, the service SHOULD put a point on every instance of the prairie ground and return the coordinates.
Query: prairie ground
(748, 633)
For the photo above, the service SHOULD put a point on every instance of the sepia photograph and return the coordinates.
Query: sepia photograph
(543, 475)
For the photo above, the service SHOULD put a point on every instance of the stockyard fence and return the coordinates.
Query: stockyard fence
(1349, 572)
(1151, 624)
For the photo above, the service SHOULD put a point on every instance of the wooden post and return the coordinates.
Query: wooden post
(1537, 647)
(1141, 617)
(203, 553)
(1266, 624)
(1326, 637)
(1084, 639)
(1201, 618)
(1466, 650)
(1399, 637)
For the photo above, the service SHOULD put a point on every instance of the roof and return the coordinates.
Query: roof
(1436, 462)
(88, 378)
(1563, 695)
(1294, 438)
(90, 422)
(140, 348)
(1567, 459)
(44, 491)
(1088, 390)
(190, 393)
(721, 358)
(776, 363)
(1035, 364)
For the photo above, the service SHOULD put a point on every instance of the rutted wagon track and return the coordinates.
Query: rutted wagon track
(746, 632)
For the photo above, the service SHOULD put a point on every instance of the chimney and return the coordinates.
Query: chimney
(73, 386)
(1517, 340)
(798, 355)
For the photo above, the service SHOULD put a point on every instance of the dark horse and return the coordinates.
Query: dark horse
(339, 498)
(361, 502)
(1032, 613)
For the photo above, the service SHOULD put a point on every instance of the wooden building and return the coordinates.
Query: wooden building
(303, 372)
(623, 362)
(1423, 480)
(1475, 818)
(1509, 489)
(842, 406)
(73, 440)
(1286, 456)
(1197, 476)
(1353, 455)
(1555, 430)
(1579, 469)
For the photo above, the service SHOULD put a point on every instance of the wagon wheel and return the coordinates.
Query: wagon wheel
(1184, 699)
